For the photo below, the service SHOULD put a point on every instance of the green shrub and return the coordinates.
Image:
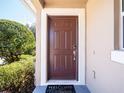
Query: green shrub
(15, 39)
(18, 77)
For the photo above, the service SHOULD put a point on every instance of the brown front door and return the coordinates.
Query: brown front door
(62, 47)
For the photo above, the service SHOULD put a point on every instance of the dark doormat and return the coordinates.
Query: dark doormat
(60, 89)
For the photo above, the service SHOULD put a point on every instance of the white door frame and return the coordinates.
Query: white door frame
(81, 42)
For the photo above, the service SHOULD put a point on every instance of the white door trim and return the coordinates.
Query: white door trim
(81, 43)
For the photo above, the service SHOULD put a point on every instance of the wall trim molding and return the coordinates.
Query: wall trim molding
(117, 56)
(81, 27)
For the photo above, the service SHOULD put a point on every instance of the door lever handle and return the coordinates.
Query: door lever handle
(74, 55)
(74, 52)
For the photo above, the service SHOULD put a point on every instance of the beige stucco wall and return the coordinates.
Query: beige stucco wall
(100, 43)
(38, 42)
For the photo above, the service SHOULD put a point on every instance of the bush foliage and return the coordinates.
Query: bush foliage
(18, 77)
(15, 39)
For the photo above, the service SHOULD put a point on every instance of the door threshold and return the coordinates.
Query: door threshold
(61, 82)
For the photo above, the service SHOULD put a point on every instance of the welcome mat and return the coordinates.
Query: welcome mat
(60, 89)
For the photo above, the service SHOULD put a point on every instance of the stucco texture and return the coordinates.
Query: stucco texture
(100, 43)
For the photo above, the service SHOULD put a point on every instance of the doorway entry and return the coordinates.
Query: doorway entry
(62, 49)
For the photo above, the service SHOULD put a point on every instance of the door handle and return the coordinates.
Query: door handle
(74, 55)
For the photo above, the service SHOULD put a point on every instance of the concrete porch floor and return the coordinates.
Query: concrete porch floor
(78, 88)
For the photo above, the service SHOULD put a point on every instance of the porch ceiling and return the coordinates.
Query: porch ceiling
(63, 3)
